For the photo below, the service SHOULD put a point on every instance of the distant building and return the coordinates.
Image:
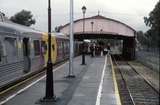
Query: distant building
(100, 25)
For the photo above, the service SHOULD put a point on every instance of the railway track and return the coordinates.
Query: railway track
(18, 84)
(134, 89)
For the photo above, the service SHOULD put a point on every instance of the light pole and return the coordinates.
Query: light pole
(71, 74)
(83, 50)
(49, 95)
(92, 25)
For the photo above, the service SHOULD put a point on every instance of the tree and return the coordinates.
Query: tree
(24, 18)
(57, 29)
(154, 17)
(142, 38)
(153, 21)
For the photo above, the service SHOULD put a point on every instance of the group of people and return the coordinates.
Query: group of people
(96, 50)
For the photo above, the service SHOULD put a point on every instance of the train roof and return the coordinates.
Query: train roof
(9, 27)
(60, 35)
(56, 35)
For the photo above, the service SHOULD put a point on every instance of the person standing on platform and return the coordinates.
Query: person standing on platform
(101, 49)
(92, 50)
(108, 48)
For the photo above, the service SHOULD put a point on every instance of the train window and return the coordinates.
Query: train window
(60, 45)
(36, 44)
(53, 47)
(11, 48)
(44, 47)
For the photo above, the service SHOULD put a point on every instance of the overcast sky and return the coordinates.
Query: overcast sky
(130, 12)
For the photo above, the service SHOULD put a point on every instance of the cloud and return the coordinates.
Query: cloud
(129, 11)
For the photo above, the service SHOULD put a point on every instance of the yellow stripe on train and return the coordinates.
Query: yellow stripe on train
(53, 47)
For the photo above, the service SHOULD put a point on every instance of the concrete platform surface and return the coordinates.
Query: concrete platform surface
(93, 85)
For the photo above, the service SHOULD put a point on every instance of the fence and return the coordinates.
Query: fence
(149, 56)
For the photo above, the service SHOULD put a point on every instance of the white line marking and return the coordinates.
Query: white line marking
(99, 94)
(25, 88)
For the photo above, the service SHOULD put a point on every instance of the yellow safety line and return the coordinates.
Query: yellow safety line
(115, 84)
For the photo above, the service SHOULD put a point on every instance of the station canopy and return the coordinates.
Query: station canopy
(99, 27)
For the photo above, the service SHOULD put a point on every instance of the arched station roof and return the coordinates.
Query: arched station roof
(97, 26)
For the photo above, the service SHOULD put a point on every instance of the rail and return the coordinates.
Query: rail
(124, 80)
(139, 89)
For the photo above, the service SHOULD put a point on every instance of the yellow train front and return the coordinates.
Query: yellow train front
(59, 47)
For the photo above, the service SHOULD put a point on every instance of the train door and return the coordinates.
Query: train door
(26, 54)
(1, 51)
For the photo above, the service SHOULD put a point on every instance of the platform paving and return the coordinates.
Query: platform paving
(82, 90)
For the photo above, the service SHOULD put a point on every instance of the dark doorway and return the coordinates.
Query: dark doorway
(26, 54)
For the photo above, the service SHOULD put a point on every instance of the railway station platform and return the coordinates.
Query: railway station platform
(94, 85)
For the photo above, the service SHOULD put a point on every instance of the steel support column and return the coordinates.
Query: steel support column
(71, 73)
